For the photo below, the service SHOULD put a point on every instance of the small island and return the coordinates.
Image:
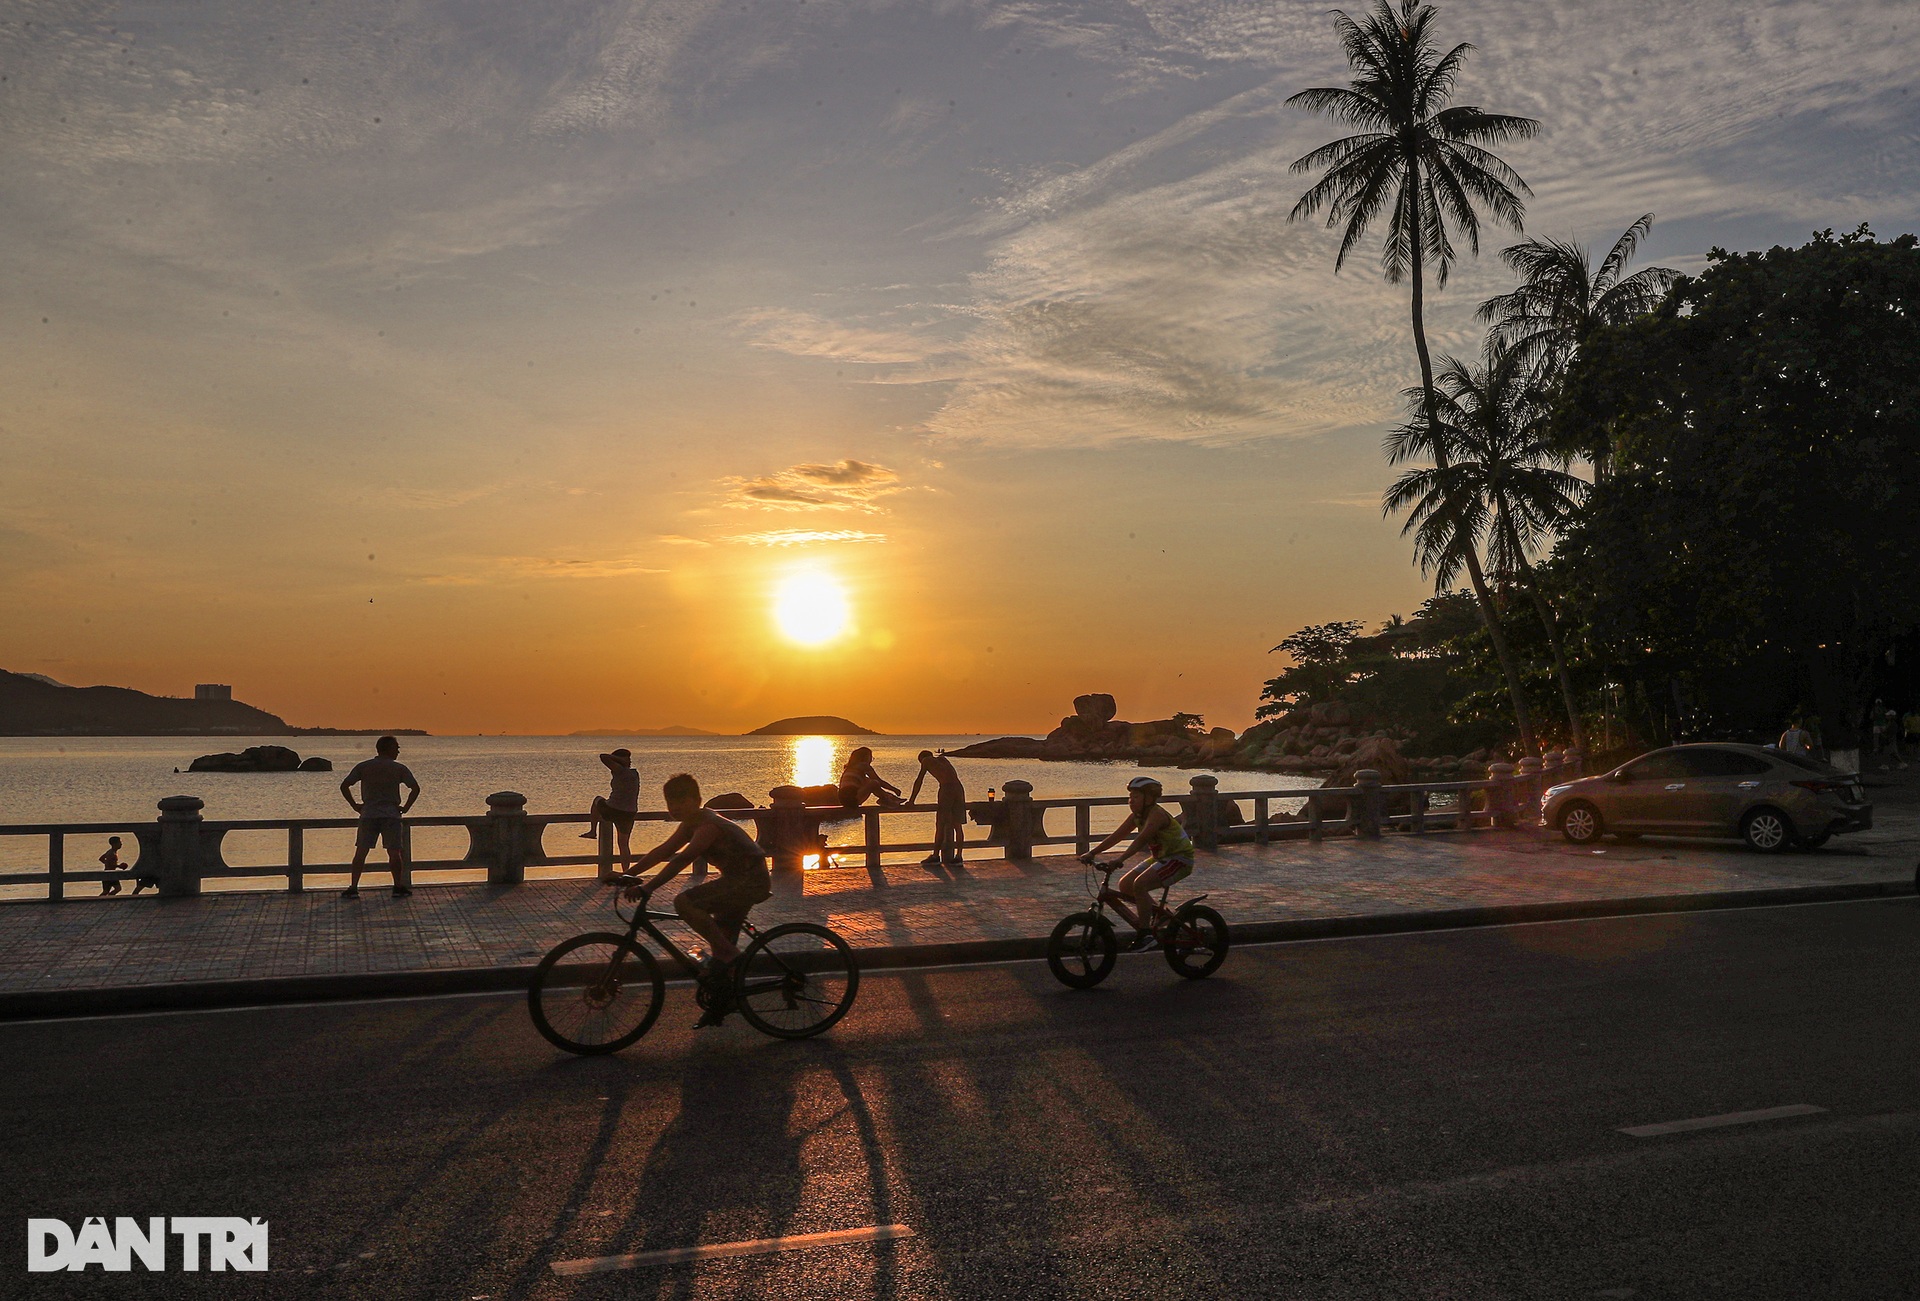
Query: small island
(812, 725)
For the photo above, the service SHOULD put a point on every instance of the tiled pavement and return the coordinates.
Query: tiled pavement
(121, 943)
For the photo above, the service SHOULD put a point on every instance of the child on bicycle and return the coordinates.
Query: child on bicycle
(1162, 838)
(717, 909)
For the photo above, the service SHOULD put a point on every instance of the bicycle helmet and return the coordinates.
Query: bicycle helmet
(1144, 784)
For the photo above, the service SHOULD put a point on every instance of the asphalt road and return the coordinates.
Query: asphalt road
(1429, 1115)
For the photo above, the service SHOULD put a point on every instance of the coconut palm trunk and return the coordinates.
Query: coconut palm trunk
(1489, 614)
(1544, 608)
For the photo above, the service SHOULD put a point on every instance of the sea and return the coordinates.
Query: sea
(121, 779)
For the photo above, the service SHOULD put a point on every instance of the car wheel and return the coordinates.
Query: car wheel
(1766, 831)
(1580, 823)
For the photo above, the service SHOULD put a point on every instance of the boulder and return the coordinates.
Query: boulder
(731, 800)
(1379, 754)
(314, 763)
(1096, 707)
(255, 758)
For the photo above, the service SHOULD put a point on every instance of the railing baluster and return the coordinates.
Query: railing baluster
(1420, 812)
(872, 818)
(1082, 828)
(296, 859)
(1314, 829)
(1260, 833)
(56, 865)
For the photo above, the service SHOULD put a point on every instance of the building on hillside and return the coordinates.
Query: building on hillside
(212, 691)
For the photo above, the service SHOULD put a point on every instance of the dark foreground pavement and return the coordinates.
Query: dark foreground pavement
(1427, 1115)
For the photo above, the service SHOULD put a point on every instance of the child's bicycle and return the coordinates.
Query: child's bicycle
(599, 992)
(1083, 947)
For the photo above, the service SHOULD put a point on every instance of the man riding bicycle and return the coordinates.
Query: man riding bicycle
(717, 909)
(1162, 838)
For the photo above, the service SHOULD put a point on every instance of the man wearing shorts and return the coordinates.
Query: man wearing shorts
(950, 813)
(618, 805)
(380, 779)
(716, 909)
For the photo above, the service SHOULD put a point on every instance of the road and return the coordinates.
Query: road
(1429, 1115)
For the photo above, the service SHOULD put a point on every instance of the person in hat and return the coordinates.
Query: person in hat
(618, 805)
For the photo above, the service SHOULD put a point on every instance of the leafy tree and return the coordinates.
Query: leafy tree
(1425, 162)
(1766, 435)
(1494, 485)
(1320, 653)
(1562, 299)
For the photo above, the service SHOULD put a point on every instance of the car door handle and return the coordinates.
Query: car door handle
(1676, 786)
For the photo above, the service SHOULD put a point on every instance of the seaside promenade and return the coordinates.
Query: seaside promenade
(239, 947)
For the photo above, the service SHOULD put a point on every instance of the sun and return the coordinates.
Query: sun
(810, 608)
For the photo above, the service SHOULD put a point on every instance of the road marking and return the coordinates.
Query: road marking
(756, 1247)
(1716, 1122)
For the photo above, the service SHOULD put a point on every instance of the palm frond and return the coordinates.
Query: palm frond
(1621, 253)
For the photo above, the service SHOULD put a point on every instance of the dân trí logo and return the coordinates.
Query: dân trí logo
(215, 1242)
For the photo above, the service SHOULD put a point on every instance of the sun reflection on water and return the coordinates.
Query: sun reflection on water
(815, 760)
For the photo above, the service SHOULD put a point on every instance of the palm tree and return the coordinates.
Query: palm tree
(1428, 160)
(1495, 484)
(1563, 299)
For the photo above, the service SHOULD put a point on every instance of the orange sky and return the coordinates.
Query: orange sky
(422, 367)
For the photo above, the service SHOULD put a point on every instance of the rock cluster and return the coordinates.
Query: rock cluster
(1326, 738)
(260, 758)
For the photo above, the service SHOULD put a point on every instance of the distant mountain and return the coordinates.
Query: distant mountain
(31, 705)
(675, 730)
(812, 725)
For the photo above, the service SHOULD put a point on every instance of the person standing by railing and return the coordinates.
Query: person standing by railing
(950, 811)
(380, 779)
(619, 805)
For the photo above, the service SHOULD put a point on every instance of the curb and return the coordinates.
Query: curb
(266, 992)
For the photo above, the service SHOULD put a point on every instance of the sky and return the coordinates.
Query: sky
(493, 366)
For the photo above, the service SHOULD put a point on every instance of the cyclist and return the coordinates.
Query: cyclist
(716, 909)
(1162, 838)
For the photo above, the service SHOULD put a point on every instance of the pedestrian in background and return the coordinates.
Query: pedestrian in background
(380, 779)
(619, 805)
(1796, 740)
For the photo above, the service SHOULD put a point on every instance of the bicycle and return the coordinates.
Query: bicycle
(1083, 948)
(599, 992)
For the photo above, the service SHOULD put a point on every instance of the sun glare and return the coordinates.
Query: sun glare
(810, 608)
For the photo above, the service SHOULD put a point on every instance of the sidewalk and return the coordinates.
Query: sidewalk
(89, 954)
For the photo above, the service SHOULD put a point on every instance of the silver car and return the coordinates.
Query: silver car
(1770, 800)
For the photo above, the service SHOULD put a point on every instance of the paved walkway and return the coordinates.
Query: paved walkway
(122, 943)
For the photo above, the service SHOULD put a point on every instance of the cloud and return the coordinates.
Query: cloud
(843, 485)
(804, 537)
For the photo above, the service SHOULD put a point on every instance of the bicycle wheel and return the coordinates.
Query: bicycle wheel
(795, 980)
(595, 993)
(1195, 941)
(1082, 949)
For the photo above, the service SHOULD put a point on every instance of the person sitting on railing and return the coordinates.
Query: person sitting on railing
(1169, 852)
(858, 780)
(619, 805)
(717, 909)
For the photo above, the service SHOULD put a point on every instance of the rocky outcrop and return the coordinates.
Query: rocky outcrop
(255, 758)
(314, 763)
(1326, 739)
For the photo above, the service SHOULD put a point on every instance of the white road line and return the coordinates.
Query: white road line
(756, 1247)
(1716, 1122)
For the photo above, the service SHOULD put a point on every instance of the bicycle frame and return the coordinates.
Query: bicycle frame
(643, 920)
(1120, 903)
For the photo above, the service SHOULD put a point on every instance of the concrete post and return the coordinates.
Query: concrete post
(180, 845)
(792, 835)
(1203, 813)
(1500, 793)
(1527, 809)
(1021, 818)
(1369, 804)
(1576, 764)
(604, 848)
(507, 819)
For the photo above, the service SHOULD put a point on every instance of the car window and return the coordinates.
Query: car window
(1658, 766)
(1724, 763)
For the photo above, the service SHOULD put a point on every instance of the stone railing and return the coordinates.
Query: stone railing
(182, 850)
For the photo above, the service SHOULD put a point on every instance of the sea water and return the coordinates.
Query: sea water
(121, 779)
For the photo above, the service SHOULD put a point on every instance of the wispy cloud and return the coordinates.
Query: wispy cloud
(842, 485)
(804, 537)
